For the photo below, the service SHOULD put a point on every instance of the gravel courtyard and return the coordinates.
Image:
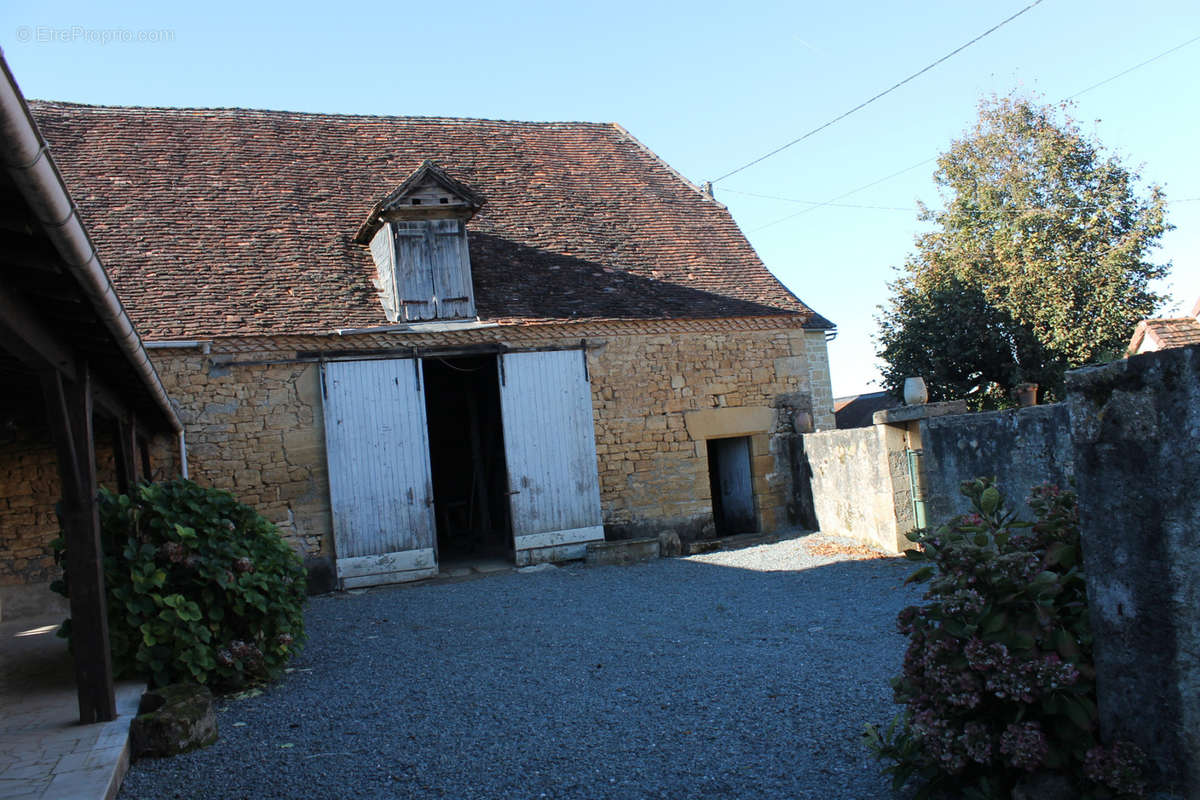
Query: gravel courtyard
(744, 673)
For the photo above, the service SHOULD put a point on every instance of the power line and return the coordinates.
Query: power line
(833, 200)
(887, 91)
(1136, 66)
(816, 202)
(845, 194)
(910, 209)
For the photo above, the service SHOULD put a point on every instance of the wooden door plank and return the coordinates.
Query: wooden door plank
(550, 449)
(380, 485)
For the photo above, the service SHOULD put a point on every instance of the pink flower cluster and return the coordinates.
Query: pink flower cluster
(1117, 767)
(1025, 745)
(239, 651)
(1023, 679)
(173, 552)
(952, 748)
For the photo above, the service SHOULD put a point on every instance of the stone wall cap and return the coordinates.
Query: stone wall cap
(1085, 376)
(1077, 379)
(892, 416)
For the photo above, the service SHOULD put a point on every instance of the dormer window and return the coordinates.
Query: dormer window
(418, 239)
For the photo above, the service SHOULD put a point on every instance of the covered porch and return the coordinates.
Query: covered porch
(74, 373)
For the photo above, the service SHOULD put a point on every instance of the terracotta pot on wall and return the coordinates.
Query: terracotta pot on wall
(1026, 394)
(915, 392)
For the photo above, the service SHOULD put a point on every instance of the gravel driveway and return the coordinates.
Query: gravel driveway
(745, 673)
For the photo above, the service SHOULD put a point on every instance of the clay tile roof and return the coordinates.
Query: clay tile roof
(233, 222)
(1166, 333)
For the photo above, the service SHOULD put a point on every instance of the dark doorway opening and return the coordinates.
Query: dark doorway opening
(466, 459)
(732, 485)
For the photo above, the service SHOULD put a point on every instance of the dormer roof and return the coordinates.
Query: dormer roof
(428, 193)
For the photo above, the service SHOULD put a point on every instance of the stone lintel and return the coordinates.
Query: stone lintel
(714, 423)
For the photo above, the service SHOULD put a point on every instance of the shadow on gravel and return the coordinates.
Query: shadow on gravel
(670, 679)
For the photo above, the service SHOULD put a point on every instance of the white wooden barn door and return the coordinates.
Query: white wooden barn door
(550, 448)
(377, 449)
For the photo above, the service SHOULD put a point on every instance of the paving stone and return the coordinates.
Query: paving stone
(44, 752)
(81, 784)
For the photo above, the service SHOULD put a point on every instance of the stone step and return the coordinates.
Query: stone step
(622, 551)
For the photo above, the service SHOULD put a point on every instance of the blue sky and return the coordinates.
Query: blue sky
(709, 86)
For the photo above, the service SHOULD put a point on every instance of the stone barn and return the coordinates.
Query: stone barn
(413, 341)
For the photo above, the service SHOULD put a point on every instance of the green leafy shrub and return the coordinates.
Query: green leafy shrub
(998, 680)
(200, 587)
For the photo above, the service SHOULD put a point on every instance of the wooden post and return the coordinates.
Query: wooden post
(124, 448)
(144, 449)
(69, 413)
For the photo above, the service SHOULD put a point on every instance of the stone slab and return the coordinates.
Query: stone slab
(623, 551)
(894, 416)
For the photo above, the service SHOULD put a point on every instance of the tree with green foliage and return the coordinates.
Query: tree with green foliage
(1038, 264)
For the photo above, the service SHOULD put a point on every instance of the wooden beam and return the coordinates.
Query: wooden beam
(33, 343)
(23, 335)
(69, 414)
(29, 253)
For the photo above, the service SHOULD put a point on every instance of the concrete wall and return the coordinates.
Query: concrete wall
(1021, 448)
(1136, 434)
(860, 484)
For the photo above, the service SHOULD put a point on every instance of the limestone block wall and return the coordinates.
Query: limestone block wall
(658, 400)
(257, 430)
(29, 486)
(254, 419)
(29, 490)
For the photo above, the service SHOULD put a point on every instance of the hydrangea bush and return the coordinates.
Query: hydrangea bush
(998, 681)
(200, 587)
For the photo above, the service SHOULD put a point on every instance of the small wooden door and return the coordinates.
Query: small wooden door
(377, 449)
(733, 487)
(550, 450)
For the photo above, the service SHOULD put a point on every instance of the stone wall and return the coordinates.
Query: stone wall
(29, 486)
(254, 423)
(1136, 434)
(860, 484)
(29, 490)
(256, 430)
(660, 398)
(1021, 448)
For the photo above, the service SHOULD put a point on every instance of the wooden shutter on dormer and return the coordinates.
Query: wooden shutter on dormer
(383, 251)
(451, 270)
(433, 270)
(414, 271)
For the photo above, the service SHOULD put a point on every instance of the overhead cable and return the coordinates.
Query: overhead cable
(887, 91)
(832, 201)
